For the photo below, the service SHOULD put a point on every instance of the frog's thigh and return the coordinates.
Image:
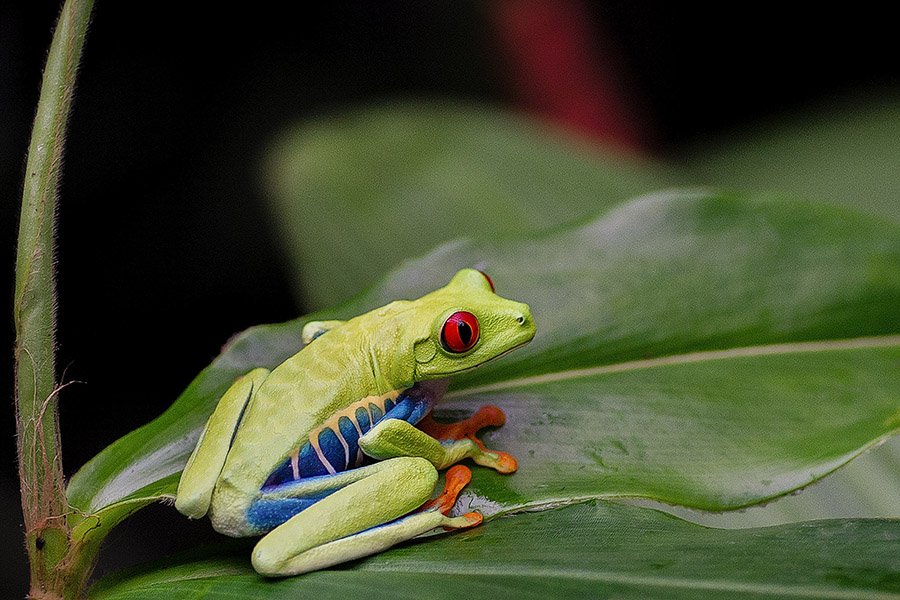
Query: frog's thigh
(198, 479)
(317, 537)
(276, 504)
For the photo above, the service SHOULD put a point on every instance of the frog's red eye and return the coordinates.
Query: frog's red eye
(459, 332)
(489, 280)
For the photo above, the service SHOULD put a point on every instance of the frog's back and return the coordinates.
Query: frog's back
(297, 397)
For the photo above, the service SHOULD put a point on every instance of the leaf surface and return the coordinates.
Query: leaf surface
(596, 550)
(842, 151)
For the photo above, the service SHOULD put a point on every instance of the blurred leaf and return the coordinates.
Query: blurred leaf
(846, 152)
(595, 550)
(708, 350)
(357, 193)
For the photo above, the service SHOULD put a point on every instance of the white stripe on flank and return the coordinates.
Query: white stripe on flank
(295, 464)
(359, 432)
(340, 437)
(333, 423)
(315, 445)
(691, 357)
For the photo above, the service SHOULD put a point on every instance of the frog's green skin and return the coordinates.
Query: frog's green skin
(265, 417)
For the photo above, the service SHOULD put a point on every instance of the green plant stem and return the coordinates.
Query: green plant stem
(40, 465)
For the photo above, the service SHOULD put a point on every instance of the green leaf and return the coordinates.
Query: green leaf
(867, 487)
(391, 183)
(703, 349)
(596, 550)
(669, 429)
(375, 170)
(843, 151)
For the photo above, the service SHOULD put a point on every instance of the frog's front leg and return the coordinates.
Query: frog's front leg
(486, 416)
(359, 518)
(395, 437)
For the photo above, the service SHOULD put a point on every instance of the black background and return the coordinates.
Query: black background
(165, 248)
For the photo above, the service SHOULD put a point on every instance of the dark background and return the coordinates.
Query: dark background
(165, 248)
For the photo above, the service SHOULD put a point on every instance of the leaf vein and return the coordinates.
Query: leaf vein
(687, 358)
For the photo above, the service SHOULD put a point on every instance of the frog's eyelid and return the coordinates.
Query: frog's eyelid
(489, 280)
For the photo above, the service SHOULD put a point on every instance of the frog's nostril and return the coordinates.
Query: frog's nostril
(520, 319)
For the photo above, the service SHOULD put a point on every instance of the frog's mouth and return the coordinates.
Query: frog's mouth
(501, 355)
(449, 374)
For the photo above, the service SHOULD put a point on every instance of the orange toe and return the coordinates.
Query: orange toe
(506, 463)
(473, 518)
(456, 478)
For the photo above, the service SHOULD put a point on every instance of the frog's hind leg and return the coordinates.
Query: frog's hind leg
(355, 520)
(205, 464)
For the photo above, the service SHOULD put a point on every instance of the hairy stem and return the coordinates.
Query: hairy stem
(40, 465)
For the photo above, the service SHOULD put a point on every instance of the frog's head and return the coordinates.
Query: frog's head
(466, 324)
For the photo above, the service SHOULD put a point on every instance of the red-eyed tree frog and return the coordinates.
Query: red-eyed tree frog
(333, 455)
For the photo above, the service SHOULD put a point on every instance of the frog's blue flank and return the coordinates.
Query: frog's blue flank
(334, 447)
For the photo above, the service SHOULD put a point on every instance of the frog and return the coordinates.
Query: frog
(334, 454)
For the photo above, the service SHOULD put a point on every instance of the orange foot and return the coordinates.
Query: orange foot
(486, 416)
(456, 478)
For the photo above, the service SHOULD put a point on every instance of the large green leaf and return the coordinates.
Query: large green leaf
(702, 349)
(844, 151)
(393, 182)
(596, 550)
